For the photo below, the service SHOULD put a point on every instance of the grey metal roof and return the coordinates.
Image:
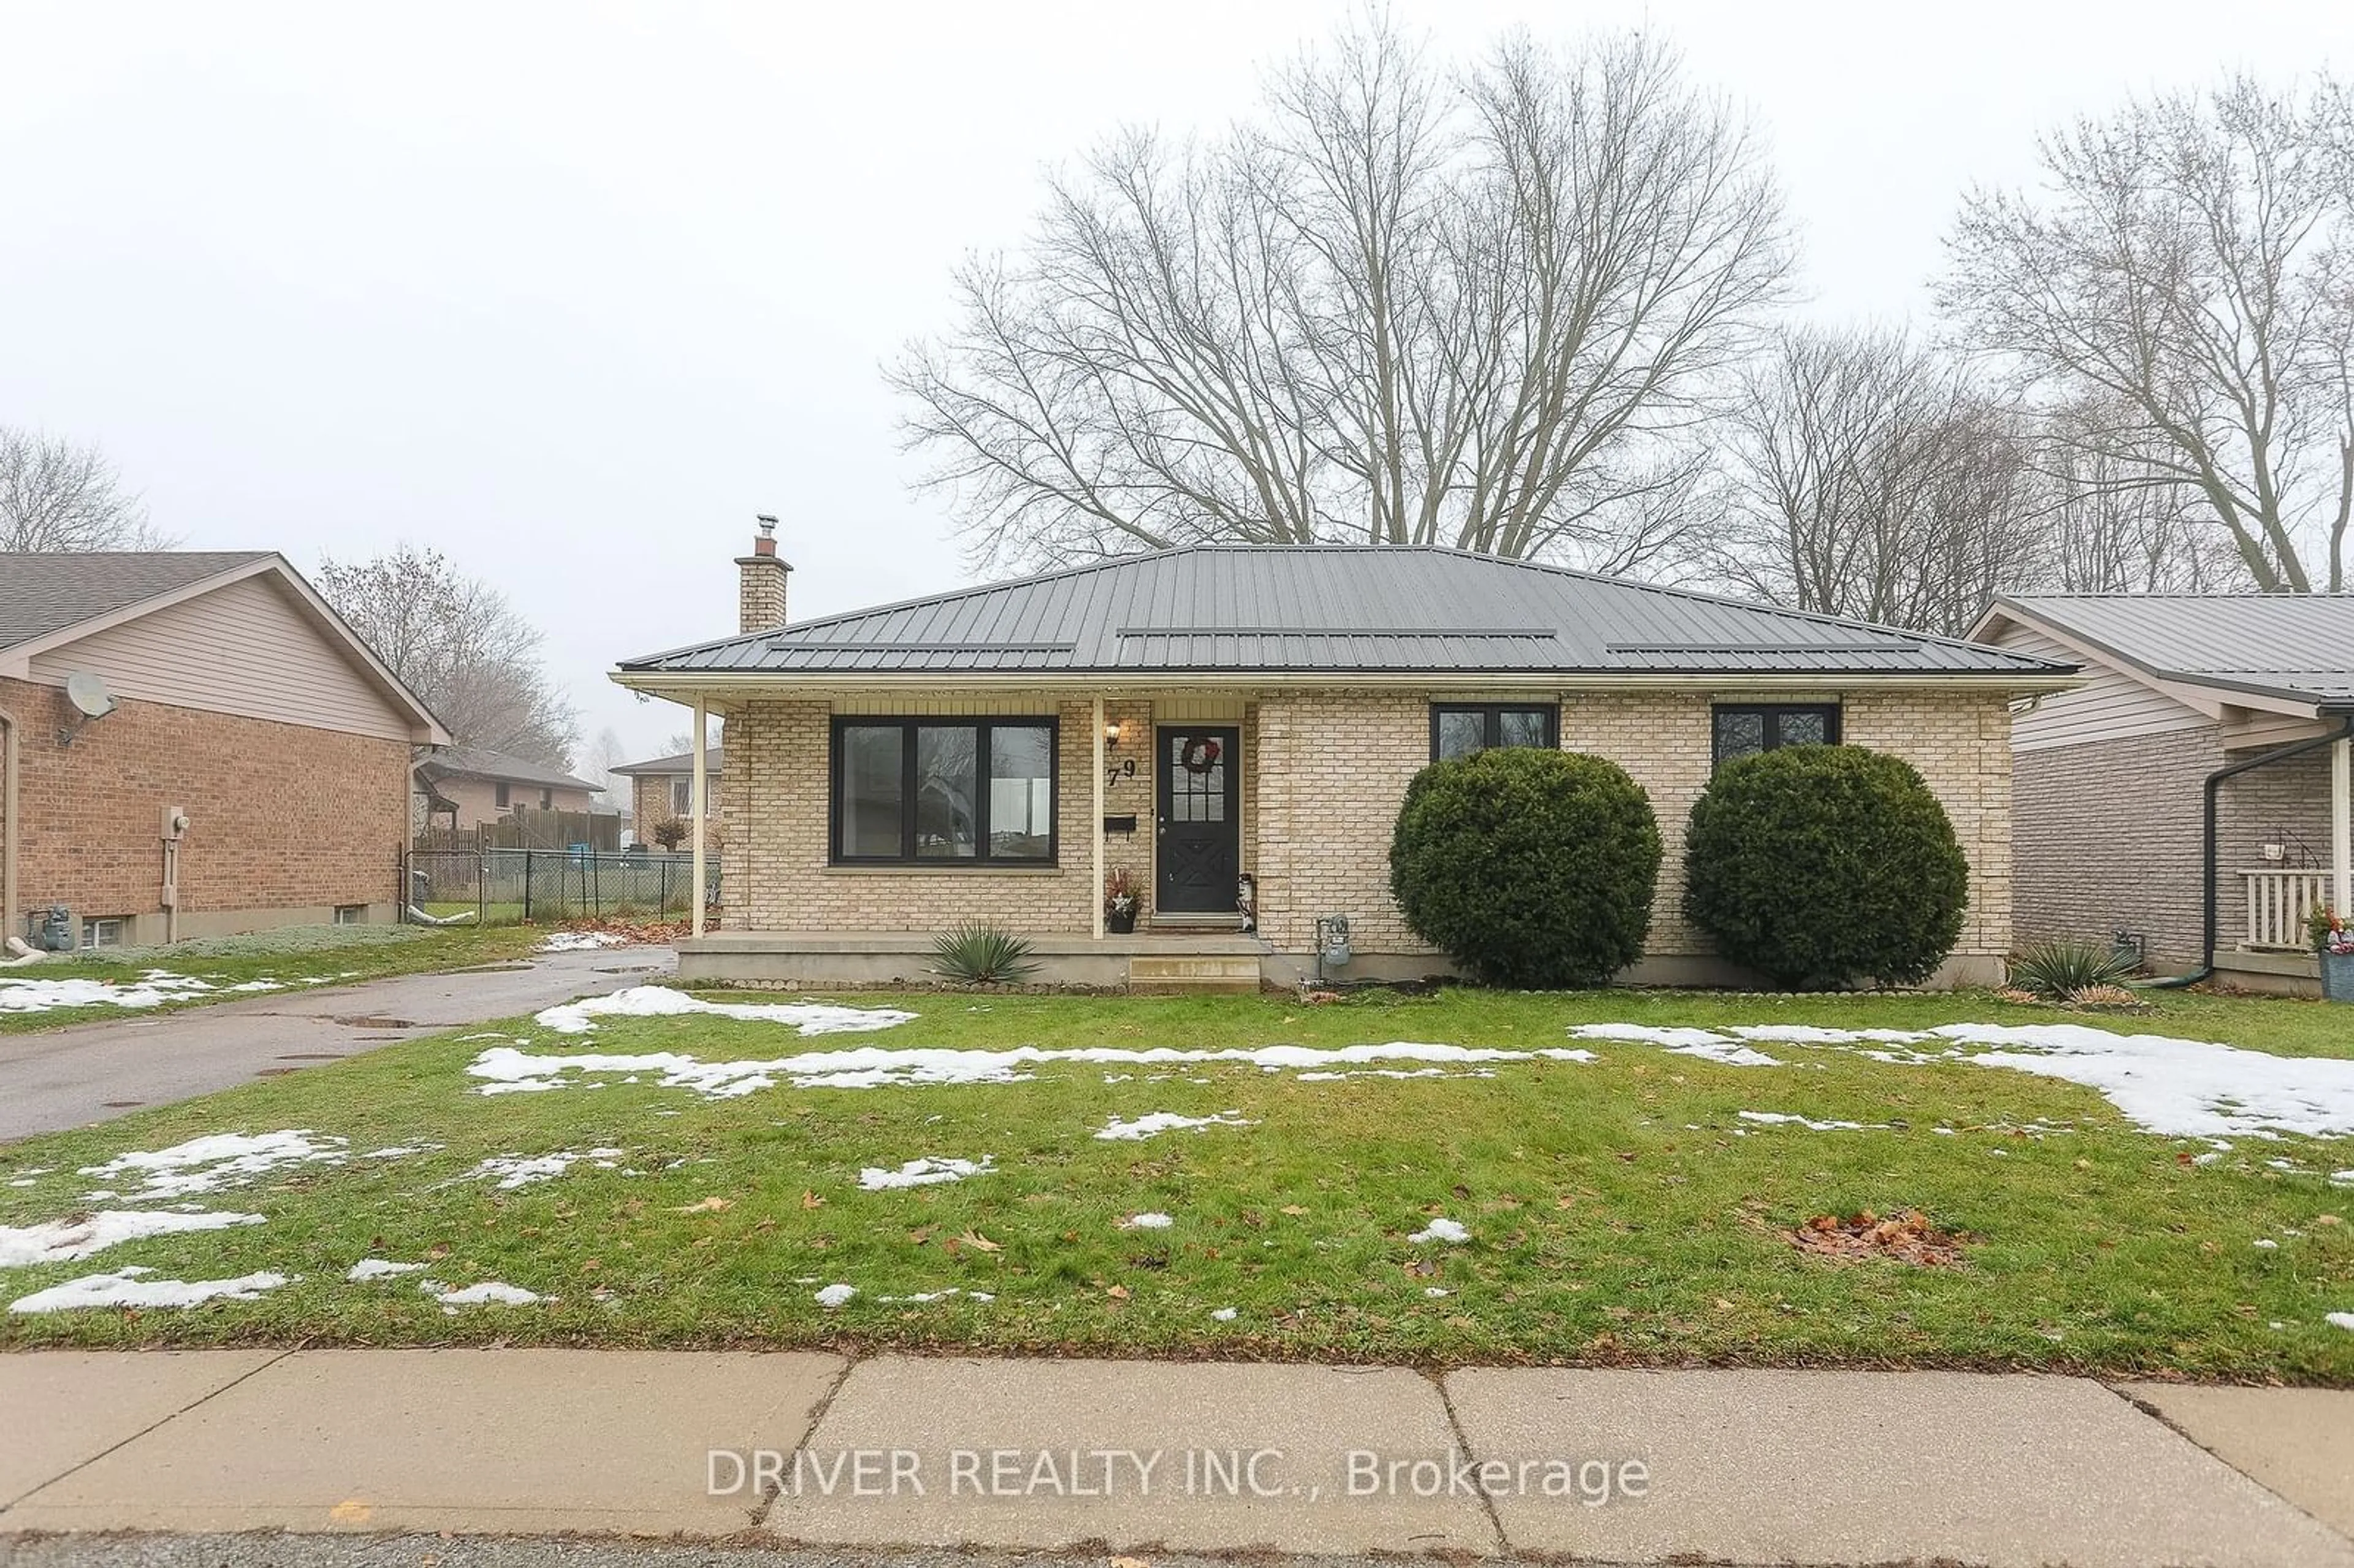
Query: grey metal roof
(682, 763)
(2299, 646)
(481, 762)
(1334, 607)
(43, 591)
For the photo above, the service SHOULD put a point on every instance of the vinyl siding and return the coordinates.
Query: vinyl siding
(243, 648)
(2110, 706)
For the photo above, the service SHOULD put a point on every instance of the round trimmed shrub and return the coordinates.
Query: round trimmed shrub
(1530, 868)
(1822, 865)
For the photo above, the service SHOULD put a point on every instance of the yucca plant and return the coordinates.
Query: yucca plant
(978, 953)
(2059, 971)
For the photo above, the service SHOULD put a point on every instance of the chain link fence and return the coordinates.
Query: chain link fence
(510, 886)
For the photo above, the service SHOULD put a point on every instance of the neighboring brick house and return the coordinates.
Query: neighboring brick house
(1194, 715)
(661, 790)
(467, 786)
(2112, 780)
(248, 767)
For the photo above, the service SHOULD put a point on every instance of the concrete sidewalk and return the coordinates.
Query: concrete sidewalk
(84, 1073)
(1626, 1466)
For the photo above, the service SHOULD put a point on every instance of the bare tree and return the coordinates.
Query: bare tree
(1868, 477)
(1407, 305)
(2111, 530)
(460, 646)
(2187, 275)
(56, 494)
(605, 754)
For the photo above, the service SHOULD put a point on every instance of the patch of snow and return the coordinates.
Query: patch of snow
(2339, 1320)
(2267, 1243)
(2176, 1089)
(1783, 1118)
(66, 1241)
(370, 1268)
(1451, 1232)
(509, 1071)
(834, 1295)
(1147, 1222)
(661, 1001)
(1223, 1314)
(489, 1293)
(2341, 1178)
(127, 1287)
(1156, 1122)
(1704, 1043)
(924, 1172)
(216, 1161)
(153, 988)
(1434, 1290)
(581, 941)
(515, 1170)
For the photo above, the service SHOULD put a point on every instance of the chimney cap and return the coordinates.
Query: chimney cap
(764, 542)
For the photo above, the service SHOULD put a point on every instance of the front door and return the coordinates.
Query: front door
(1198, 840)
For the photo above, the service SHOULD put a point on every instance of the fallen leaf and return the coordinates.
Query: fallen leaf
(1292, 1209)
(978, 1243)
(710, 1206)
(1117, 1293)
(812, 1201)
(1139, 1562)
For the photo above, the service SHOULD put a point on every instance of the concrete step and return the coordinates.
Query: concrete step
(1193, 971)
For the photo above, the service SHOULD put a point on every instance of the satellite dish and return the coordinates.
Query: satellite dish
(87, 691)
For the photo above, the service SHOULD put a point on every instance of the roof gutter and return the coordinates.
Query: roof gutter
(2209, 860)
(681, 685)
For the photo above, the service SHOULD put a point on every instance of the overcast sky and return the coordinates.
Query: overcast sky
(571, 292)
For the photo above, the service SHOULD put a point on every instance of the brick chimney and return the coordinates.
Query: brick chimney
(760, 582)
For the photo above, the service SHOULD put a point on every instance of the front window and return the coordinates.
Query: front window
(682, 796)
(1458, 729)
(1747, 727)
(500, 794)
(925, 791)
(105, 930)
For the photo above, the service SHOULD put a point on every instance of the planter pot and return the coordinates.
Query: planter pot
(2338, 976)
(1119, 925)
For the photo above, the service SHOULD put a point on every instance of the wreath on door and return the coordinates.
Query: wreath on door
(1200, 755)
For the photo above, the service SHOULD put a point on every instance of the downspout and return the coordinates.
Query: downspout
(2210, 913)
(9, 732)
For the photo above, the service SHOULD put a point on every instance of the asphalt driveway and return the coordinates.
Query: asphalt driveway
(91, 1072)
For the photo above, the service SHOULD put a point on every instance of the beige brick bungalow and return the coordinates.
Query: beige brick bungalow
(1197, 716)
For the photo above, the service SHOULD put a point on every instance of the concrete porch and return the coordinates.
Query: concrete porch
(1145, 961)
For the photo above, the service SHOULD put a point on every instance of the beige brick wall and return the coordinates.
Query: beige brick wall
(775, 875)
(653, 801)
(1337, 765)
(1324, 772)
(283, 816)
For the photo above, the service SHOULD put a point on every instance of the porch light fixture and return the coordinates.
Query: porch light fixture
(1111, 733)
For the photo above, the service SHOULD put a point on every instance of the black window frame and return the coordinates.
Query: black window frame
(983, 857)
(501, 793)
(1772, 712)
(1492, 713)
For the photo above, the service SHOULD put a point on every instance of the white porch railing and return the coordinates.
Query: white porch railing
(2280, 902)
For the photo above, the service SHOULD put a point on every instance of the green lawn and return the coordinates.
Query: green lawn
(317, 955)
(1620, 1210)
